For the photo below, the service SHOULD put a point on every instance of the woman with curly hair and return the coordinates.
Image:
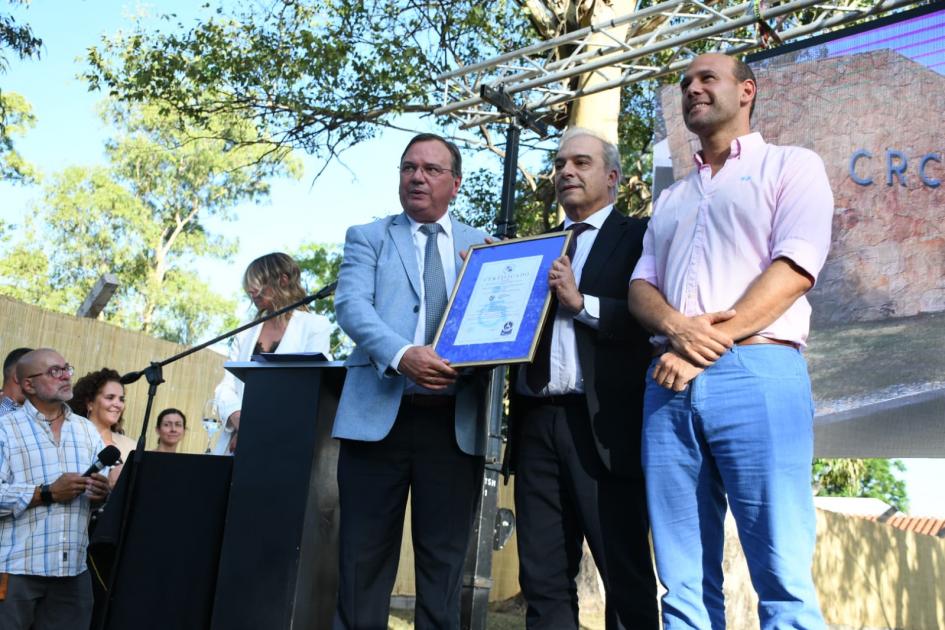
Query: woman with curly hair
(100, 397)
(272, 282)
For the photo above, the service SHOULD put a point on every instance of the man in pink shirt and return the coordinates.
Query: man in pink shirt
(728, 257)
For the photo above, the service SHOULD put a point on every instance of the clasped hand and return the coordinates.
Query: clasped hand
(695, 345)
(426, 368)
(697, 340)
(674, 372)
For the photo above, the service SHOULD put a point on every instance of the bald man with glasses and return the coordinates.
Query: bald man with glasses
(45, 501)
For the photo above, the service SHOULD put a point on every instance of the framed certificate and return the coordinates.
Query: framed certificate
(498, 305)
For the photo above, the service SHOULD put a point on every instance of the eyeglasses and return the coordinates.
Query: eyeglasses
(56, 371)
(407, 169)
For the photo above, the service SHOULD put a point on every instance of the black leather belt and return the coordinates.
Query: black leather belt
(559, 400)
(427, 401)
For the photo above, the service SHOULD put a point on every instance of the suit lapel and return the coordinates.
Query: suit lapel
(463, 239)
(400, 233)
(610, 234)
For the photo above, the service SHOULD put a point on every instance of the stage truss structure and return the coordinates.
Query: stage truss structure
(659, 41)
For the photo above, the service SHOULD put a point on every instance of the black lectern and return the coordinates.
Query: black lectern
(260, 553)
(279, 556)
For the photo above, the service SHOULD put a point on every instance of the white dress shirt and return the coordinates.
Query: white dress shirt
(448, 257)
(565, 369)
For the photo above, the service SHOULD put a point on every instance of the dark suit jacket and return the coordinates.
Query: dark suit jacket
(614, 358)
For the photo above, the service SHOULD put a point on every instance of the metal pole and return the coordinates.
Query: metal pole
(477, 574)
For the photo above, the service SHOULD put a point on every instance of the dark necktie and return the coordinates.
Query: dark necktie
(434, 281)
(538, 374)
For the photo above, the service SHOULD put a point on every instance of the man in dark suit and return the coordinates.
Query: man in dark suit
(406, 420)
(576, 411)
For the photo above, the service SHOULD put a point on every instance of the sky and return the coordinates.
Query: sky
(363, 187)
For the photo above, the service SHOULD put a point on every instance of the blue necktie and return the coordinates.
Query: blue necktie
(434, 281)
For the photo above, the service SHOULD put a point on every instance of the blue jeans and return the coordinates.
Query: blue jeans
(743, 428)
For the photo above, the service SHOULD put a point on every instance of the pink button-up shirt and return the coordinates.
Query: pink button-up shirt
(710, 237)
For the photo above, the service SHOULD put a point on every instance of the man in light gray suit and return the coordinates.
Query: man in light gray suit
(406, 420)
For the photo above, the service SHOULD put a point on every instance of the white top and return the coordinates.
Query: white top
(565, 375)
(306, 332)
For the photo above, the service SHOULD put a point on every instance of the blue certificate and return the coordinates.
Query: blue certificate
(498, 306)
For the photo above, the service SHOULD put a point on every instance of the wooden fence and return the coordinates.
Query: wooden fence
(90, 344)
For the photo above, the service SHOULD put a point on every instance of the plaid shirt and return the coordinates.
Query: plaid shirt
(7, 405)
(43, 540)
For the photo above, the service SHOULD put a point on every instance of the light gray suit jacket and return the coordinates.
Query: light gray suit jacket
(377, 304)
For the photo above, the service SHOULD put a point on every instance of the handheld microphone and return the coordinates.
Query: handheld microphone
(108, 457)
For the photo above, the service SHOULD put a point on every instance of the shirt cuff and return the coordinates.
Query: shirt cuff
(226, 410)
(23, 494)
(590, 314)
(395, 362)
(802, 253)
(646, 270)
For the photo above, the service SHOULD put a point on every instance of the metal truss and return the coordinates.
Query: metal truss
(543, 77)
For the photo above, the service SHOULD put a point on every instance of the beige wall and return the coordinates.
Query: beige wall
(868, 575)
(872, 575)
(91, 345)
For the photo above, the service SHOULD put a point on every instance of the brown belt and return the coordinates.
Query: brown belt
(747, 341)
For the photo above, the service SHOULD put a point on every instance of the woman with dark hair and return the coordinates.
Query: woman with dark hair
(170, 427)
(100, 397)
(272, 282)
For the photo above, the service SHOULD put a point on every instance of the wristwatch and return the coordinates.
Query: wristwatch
(45, 494)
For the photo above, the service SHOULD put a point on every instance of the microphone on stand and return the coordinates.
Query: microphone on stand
(108, 457)
(131, 377)
(325, 291)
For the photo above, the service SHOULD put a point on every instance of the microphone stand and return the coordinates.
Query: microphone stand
(154, 375)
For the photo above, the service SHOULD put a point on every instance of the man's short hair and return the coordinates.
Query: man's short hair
(10, 362)
(609, 149)
(742, 72)
(456, 158)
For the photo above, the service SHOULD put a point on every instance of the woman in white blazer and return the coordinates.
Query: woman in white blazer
(272, 282)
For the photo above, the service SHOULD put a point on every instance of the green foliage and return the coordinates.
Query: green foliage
(320, 265)
(18, 37)
(323, 75)
(480, 200)
(874, 478)
(142, 219)
(635, 130)
(320, 75)
(16, 117)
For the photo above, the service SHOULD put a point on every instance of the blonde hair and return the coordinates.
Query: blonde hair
(267, 271)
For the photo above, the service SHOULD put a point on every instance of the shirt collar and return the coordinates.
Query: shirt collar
(596, 220)
(741, 145)
(34, 414)
(445, 222)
